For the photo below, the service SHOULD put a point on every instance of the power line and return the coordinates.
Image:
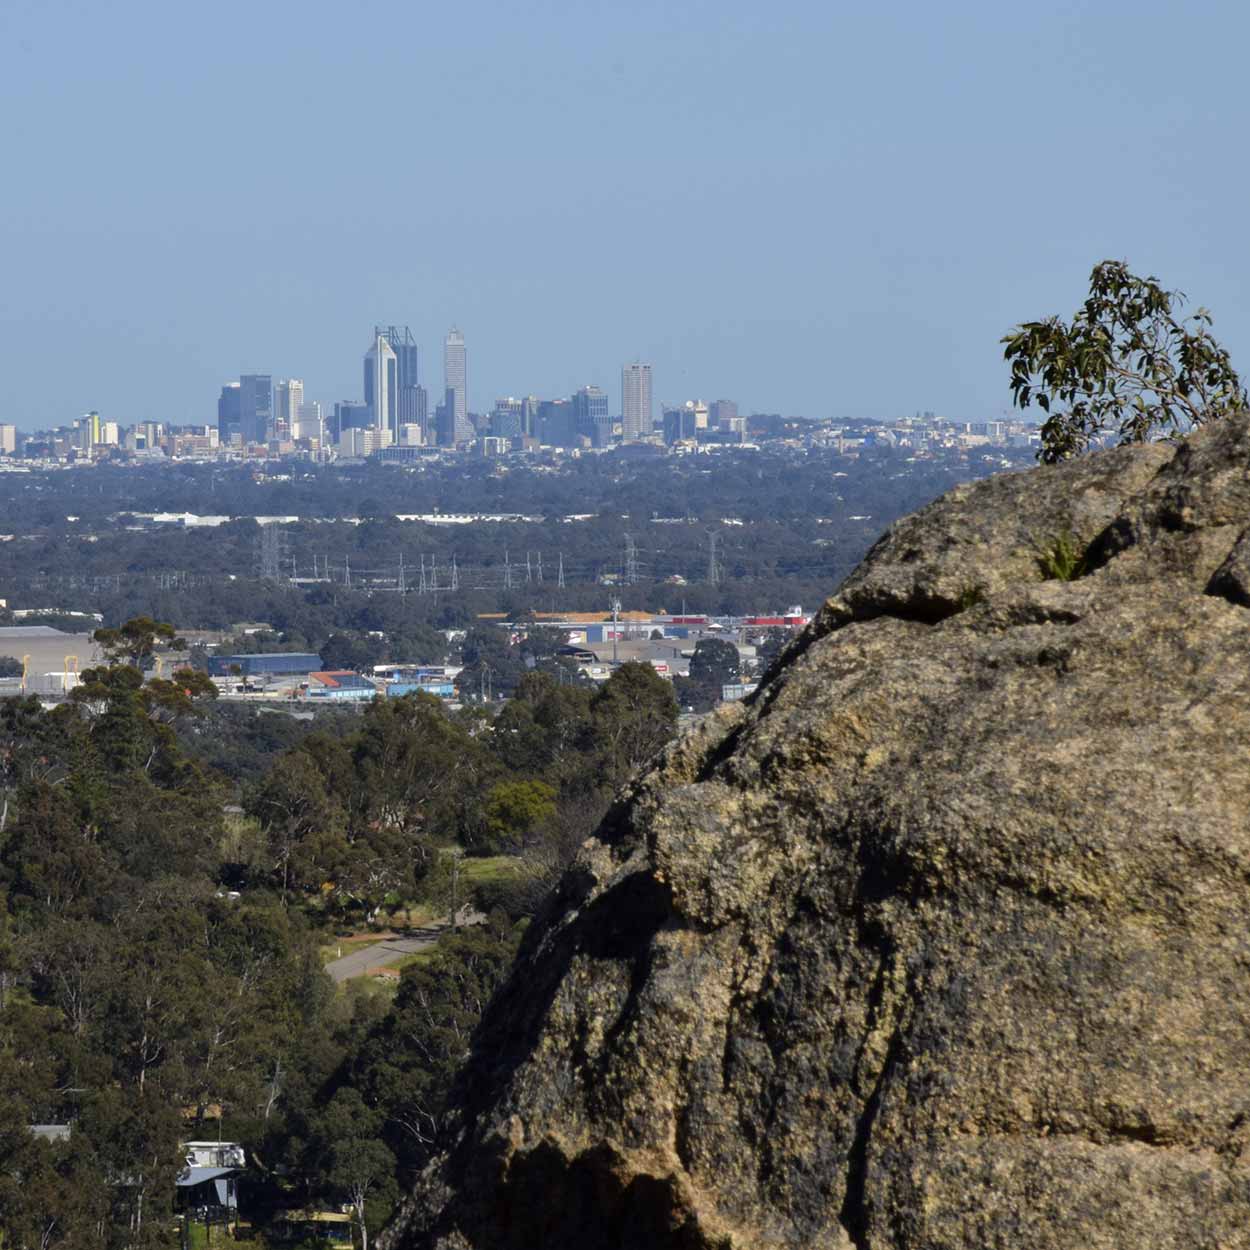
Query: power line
(631, 561)
(713, 568)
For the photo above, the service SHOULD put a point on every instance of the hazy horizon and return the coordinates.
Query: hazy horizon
(812, 210)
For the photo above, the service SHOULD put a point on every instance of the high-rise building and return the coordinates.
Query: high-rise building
(309, 422)
(635, 402)
(382, 387)
(590, 416)
(349, 415)
(288, 394)
(255, 406)
(446, 429)
(229, 411)
(722, 411)
(8, 439)
(507, 420)
(557, 425)
(408, 400)
(456, 380)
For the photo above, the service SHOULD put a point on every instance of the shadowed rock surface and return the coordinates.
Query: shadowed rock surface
(943, 941)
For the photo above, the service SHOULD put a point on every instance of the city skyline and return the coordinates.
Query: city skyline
(853, 233)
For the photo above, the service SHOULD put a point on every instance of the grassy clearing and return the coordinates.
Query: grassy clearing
(349, 945)
(477, 870)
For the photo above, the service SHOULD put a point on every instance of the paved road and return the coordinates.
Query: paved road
(391, 951)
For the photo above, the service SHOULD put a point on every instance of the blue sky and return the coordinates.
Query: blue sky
(813, 208)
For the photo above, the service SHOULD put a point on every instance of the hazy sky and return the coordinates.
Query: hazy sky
(814, 208)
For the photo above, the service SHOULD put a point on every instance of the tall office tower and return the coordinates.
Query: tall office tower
(557, 426)
(288, 394)
(590, 416)
(448, 429)
(229, 411)
(382, 387)
(407, 402)
(507, 420)
(8, 439)
(456, 380)
(422, 416)
(309, 423)
(635, 402)
(255, 406)
(722, 411)
(529, 416)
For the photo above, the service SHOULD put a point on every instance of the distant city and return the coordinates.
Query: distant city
(261, 419)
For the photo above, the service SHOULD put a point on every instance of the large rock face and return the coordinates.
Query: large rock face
(943, 941)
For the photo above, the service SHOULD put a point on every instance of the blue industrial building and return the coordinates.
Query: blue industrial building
(266, 664)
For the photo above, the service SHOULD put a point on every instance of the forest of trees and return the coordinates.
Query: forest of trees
(164, 924)
(786, 529)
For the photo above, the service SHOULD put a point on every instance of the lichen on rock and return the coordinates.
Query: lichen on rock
(941, 941)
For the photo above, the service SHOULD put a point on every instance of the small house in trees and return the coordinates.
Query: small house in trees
(208, 1185)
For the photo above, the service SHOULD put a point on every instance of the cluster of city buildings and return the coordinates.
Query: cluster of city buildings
(260, 417)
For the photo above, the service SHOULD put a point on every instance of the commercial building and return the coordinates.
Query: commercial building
(309, 422)
(341, 685)
(635, 402)
(229, 411)
(591, 419)
(382, 387)
(8, 439)
(408, 403)
(456, 383)
(349, 415)
(288, 395)
(264, 664)
(557, 423)
(255, 406)
(507, 419)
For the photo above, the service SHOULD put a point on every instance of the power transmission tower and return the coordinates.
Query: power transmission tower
(347, 572)
(269, 549)
(507, 571)
(528, 577)
(455, 576)
(402, 588)
(560, 581)
(631, 560)
(422, 582)
(540, 568)
(713, 568)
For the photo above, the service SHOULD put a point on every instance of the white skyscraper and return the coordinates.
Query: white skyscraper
(382, 388)
(635, 402)
(288, 394)
(456, 380)
(311, 423)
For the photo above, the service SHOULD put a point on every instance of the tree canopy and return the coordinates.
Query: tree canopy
(1126, 364)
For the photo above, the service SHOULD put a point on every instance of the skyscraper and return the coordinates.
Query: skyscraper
(406, 408)
(228, 411)
(311, 424)
(456, 380)
(255, 406)
(635, 402)
(382, 387)
(590, 416)
(288, 394)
